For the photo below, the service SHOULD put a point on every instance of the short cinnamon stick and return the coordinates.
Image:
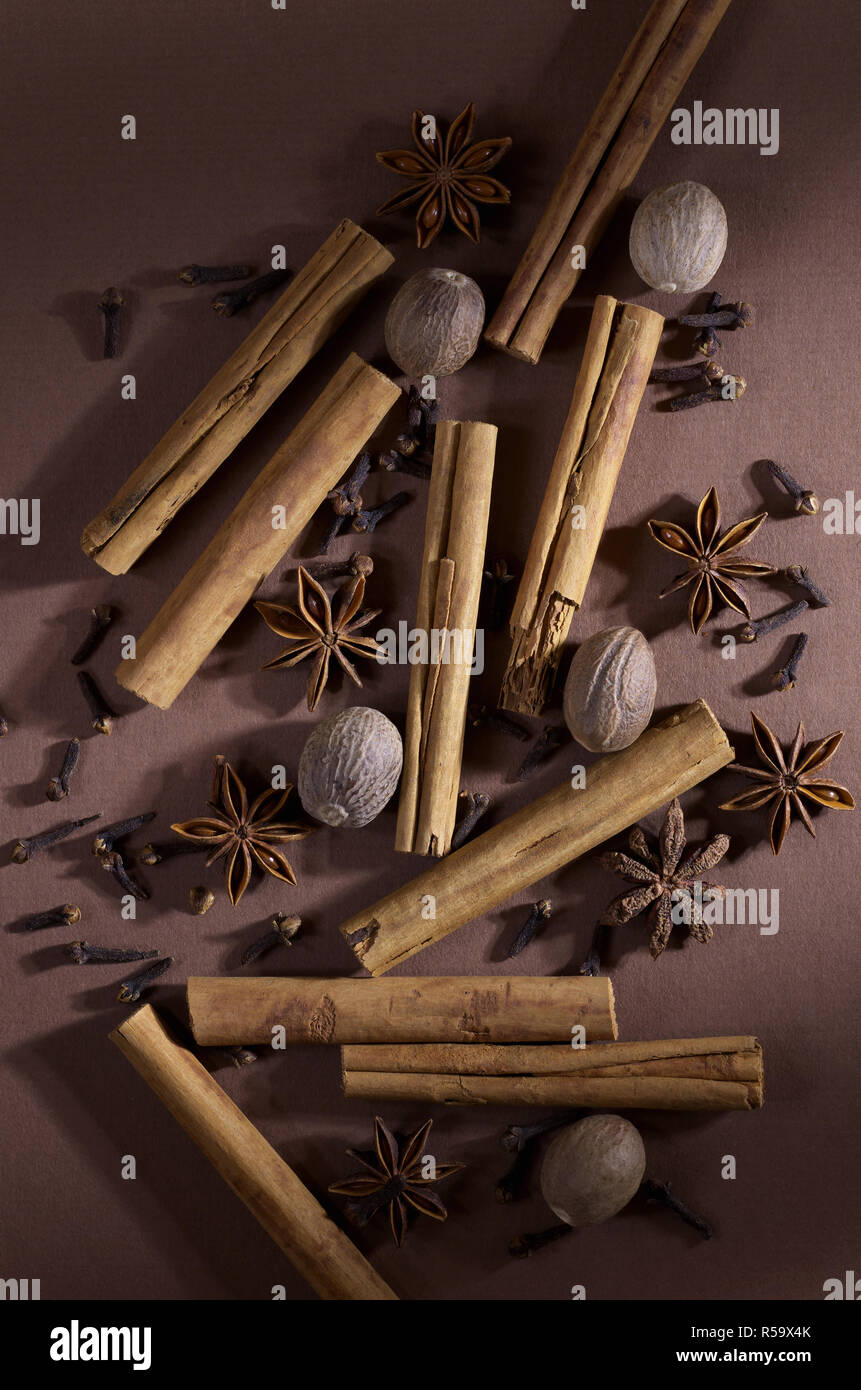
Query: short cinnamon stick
(617, 359)
(629, 116)
(314, 304)
(258, 532)
(286, 1210)
(449, 593)
(581, 1092)
(400, 1009)
(665, 761)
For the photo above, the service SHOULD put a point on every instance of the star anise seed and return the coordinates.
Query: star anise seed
(711, 568)
(447, 177)
(785, 780)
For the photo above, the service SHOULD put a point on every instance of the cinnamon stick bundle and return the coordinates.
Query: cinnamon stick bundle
(617, 359)
(582, 1092)
(286, 1210)
(665, 761)
(226, 1011)
(706, 1059)
(258, 532)
(314, 304)
(449, 593)
(640, 97)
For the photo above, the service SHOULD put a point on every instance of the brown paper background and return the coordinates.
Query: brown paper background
(253, 127)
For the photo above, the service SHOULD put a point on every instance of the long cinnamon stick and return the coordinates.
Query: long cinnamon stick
(225, 1010)
(631, 112)
(286, 1210)
(449, 592)
(665, 761)
(258, 532)
(586, 1092)
(617, 359)
(709, 1059)
(314, 304)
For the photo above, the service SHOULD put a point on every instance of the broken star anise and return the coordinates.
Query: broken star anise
(395, 1179)
(712, 568)
(315, 631)
(241, 834)
(665, 881)
(447, 176)
(785, 780)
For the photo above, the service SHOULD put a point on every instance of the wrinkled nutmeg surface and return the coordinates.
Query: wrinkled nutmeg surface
(610, 689)
(349, 767)
(434, 323)
(592, 1169)
(678, 237)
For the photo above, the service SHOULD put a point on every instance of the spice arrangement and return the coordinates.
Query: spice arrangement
(492, 1038)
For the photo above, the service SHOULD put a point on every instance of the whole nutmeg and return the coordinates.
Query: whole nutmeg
(434, 323)
(592, 1169)
(678, 237)
(350, 767)
(610, 690)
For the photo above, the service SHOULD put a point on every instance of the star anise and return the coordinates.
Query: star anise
(711, 567)
(241, 834)
(395, 1179)
(785, 780)
(665, 880)
(447, 177)
(313, 630)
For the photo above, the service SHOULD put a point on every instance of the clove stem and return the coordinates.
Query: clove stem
(798, 574)
(785, 678)
(805, 501)
(524, 1246)
(23, 850)
(763, 626)
(82, 953)
(539, 912)
(66, 915)
(58, 787)
(213, 274)
(101, 618)
(281, 933)
(662, 1193)
(103, 715)
(132, 989)
(477, 804)
(107, 838)
(551, 737)
(230, 302)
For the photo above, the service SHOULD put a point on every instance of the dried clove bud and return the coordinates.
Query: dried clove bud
(689, 371)
(200, 900)
(539, 913)
(58, 787)
(523, 1246)
(476, 805)
(103, 715)
(740, 315)
(108, 837)
(393, 461)
(101, 618)
(82, 953)
(551, 737)
(281, 933)
(798, 574)
(213, 274)
(113, 864)
(346, 498)
(369, 519)
(132, 989)
(239, 1056)
(661, 1193)
(713, 392)
(155, 852)
(763, 626)
(806, 501)
(592, 963)
(357, 566)
(66, 915)
(498, 580)
(497, 721)
(23, 850)
(785, 678)
(229, 302)
(111, 304)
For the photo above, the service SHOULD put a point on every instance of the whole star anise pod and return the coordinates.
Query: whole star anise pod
(665, 880)
(447, 177)
(241, 834)
(313, 630)
(785, 780)
(394, 1179)
(709, 554)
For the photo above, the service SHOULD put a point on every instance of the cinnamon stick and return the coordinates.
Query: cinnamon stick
(314, 304)
(258, 532)
(449, 593)
(286, 1210)
(581, 1092)
(640, 97)
(225, 1010)
(708, 1059)
(665, 761)
(617, 360)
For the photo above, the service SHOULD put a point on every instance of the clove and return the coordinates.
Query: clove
(200, 900)
(476, 805)
(58, 787)
(707, 341)
(346, 498)
(539, 912)
(516, 1137)
(523, 1142)
(523, 1246)
(101, 618)
(357, 566)
(806, 501)
(497, 721)
(689, 371)
(662, 1193)
(592, 963)
(66, 915)
(498, 580)
(103, 715)
(393, 461)
(132, 989)
(154, 853)
(230, 302)
(107, 838)
(238, 1056)
(552, 737)
(369, 520)
(113, 864)
(281, 933)
(763, 626)
(111, 304)
(82, 953)
(785, 678)
(23, 850)
(740, 315)
(713, 392)
(213, 274)
(798, 574)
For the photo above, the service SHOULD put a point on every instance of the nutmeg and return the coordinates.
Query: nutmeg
(592, 1169)
(610, 690)
(678, 237)
(350, 767)
(434, 323)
